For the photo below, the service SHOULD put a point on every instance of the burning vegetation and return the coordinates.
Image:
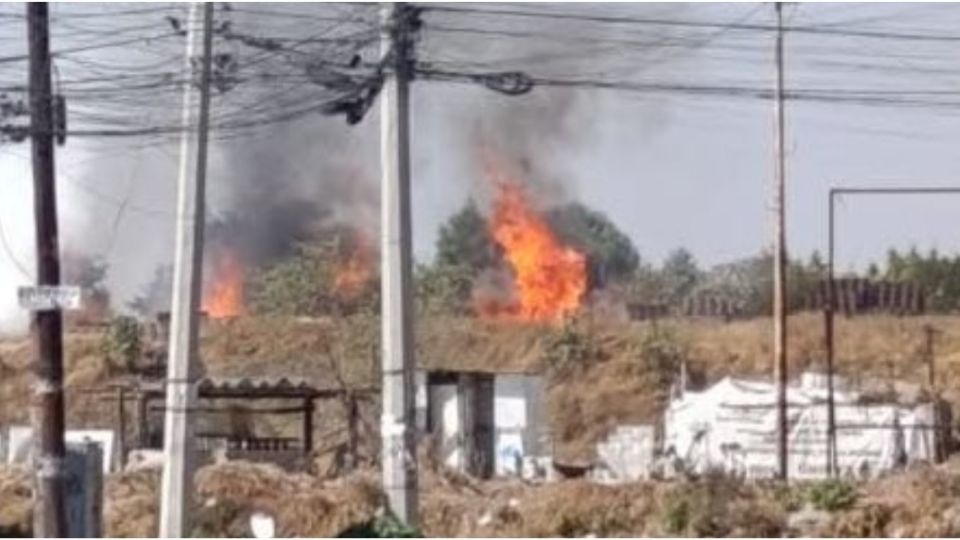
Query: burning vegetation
(355, 266)
(225, 296)
(549, 278)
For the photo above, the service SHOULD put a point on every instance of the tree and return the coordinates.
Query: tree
(681, 274)
(155, 295)
(89, 273)
(443, 289)
(611, 253)
(464, 240)
(648, 285)
(295, 285)
(305, 284)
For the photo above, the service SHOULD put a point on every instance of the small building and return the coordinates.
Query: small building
(483, 423)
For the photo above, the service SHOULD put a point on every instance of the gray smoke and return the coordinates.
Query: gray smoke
(286, 188)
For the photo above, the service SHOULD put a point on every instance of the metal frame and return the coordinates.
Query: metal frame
(829, 308)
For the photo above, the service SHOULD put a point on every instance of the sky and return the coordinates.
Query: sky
(670, 169)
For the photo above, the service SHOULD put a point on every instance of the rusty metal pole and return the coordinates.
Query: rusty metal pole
(780, 261)
(49, 518)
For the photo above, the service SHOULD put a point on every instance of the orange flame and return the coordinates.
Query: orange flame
(225, 297)
(353, 271)
(549, 278)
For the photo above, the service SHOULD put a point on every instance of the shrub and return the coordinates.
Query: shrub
(569, 347)
(121, 344)
(662, 353)
(696, 509)
(832, 495)
(387, 526)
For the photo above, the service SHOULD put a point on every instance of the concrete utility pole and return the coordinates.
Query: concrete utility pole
(49, 517)
(178, 441)
(780, 261)
(829, 314)
(399, 453)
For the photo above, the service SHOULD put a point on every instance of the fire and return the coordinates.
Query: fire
(225, 296)
(355, 269)
(550, 278)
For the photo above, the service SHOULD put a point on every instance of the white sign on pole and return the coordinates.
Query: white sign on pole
(49, 297)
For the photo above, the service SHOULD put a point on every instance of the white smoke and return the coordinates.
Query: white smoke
(17, 239)
(16, 243)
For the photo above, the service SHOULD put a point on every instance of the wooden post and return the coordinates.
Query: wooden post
(122, 428)
(142, 438)
(307, 426)
(352, 421)
(47, 325)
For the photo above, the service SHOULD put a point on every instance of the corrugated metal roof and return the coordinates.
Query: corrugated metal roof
(241, 387)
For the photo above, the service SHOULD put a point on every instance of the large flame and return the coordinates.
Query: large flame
(550, 278)
(354, 268)
(225, 295)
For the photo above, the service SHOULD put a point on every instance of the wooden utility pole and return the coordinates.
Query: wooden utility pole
(49, 517)
(399, 455)
(930, 333)
(780, 261)
(176, 488)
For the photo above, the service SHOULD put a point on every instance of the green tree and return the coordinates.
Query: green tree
(647, 285)
(443, 288)
(297, 285)
(895, 265)
(611, 254)
(464, 240)
(681, 274)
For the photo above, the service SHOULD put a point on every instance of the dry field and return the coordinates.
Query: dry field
(614, 379)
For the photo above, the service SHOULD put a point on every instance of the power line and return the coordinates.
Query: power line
(99, 46)
(873, 34)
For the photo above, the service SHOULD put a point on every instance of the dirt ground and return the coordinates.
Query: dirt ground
(920, 502)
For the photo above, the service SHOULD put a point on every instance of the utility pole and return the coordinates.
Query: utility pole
(930, 332)
(829, 314)
(176, 489)
(780, 261)
(397, 424)
(49, 517)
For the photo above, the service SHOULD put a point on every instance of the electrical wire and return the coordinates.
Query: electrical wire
(651, 21)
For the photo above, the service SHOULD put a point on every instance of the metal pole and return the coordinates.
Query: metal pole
(178, 441)
(829, 314)
(398, 416)
(49, 518)
(780, 261)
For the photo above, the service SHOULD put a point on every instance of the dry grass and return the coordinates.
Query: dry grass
(614, 388)
(15, 509)
(227, 494)
(303, 505)
(131, 509)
